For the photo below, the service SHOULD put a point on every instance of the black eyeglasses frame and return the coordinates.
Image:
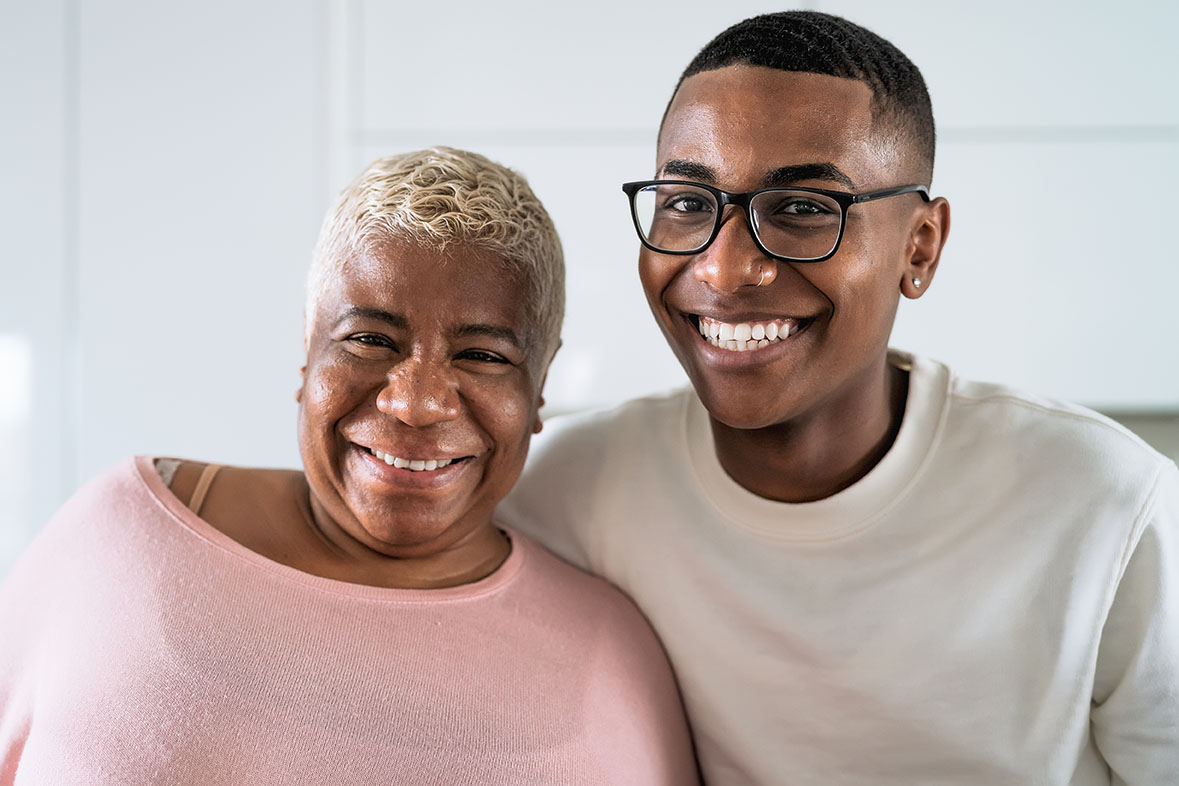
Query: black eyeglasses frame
(843, 198)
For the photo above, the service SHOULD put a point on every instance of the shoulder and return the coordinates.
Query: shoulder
(576, 450)
(94, 528)
(568, 597)
(122, 490)
(575, 463)
(1050, 426)
(1019, 439)
(566, 438)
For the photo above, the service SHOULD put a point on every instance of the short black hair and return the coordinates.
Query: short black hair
(818, 43)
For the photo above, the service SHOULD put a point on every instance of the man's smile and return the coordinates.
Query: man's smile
(749, 335)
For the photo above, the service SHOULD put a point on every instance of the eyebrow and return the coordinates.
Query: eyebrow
(394, 320)
(690, 170)
(788, 175)
(495, 331)
(782, 176)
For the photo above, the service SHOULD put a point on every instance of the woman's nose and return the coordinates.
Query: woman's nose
(420, 393)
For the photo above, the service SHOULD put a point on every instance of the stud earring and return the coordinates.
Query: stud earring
(916, 282)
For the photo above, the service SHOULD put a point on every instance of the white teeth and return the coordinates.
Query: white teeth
(745, 336)
(415, 465)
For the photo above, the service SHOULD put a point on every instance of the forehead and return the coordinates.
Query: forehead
(460, 284)
(746, 121)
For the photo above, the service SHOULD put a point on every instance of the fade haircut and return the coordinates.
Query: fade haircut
(439, 198)
(817, 43)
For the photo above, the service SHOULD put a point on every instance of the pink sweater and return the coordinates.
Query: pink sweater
(139, 645)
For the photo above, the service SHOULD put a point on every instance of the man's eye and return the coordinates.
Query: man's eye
(688, 203)
(801, 207)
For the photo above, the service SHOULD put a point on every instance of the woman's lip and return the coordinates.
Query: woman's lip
(423, 479)
(404, 457)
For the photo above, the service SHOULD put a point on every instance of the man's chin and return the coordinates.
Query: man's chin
(739, 409)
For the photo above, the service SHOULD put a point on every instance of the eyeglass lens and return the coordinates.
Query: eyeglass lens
(789, 223)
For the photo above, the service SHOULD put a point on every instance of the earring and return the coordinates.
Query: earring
(916, 282)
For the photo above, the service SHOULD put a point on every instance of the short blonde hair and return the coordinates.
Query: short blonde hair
(442, 197)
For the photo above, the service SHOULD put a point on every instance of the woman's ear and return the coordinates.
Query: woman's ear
(926, 241)
(302, 383)
(539, 424)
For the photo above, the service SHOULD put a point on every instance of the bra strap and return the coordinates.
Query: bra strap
(202, 487)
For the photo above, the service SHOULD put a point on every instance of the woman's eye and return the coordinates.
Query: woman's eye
(483, 356)
(371, 340)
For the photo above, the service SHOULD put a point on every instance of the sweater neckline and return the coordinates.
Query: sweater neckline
(850, 511)
(144, 468)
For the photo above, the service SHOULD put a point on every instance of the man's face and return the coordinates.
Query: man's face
(742, 128)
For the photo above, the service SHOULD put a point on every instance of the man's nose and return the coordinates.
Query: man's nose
(420, 393)
(733, 259)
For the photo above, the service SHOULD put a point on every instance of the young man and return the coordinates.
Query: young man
(865, 569)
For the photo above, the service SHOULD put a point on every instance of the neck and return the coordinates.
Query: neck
(340, 556)
(820, 453)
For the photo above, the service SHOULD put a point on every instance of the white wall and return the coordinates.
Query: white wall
(164, 168)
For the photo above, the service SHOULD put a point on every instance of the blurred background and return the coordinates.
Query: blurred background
(164, 168)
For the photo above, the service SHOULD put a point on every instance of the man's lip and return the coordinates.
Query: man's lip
(725, 357)
(737, 317)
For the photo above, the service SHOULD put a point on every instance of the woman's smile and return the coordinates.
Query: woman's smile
(415, 473)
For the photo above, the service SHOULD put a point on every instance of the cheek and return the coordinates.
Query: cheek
(507, 417)
(863, 291)
(330, 391)
(655, 274)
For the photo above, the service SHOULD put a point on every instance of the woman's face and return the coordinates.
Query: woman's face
(418, 401)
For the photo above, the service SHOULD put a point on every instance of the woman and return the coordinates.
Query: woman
(365, 620)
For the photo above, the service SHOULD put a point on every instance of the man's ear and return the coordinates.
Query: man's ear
(926, 240)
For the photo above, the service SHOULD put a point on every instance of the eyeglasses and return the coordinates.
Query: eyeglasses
(792, 224)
